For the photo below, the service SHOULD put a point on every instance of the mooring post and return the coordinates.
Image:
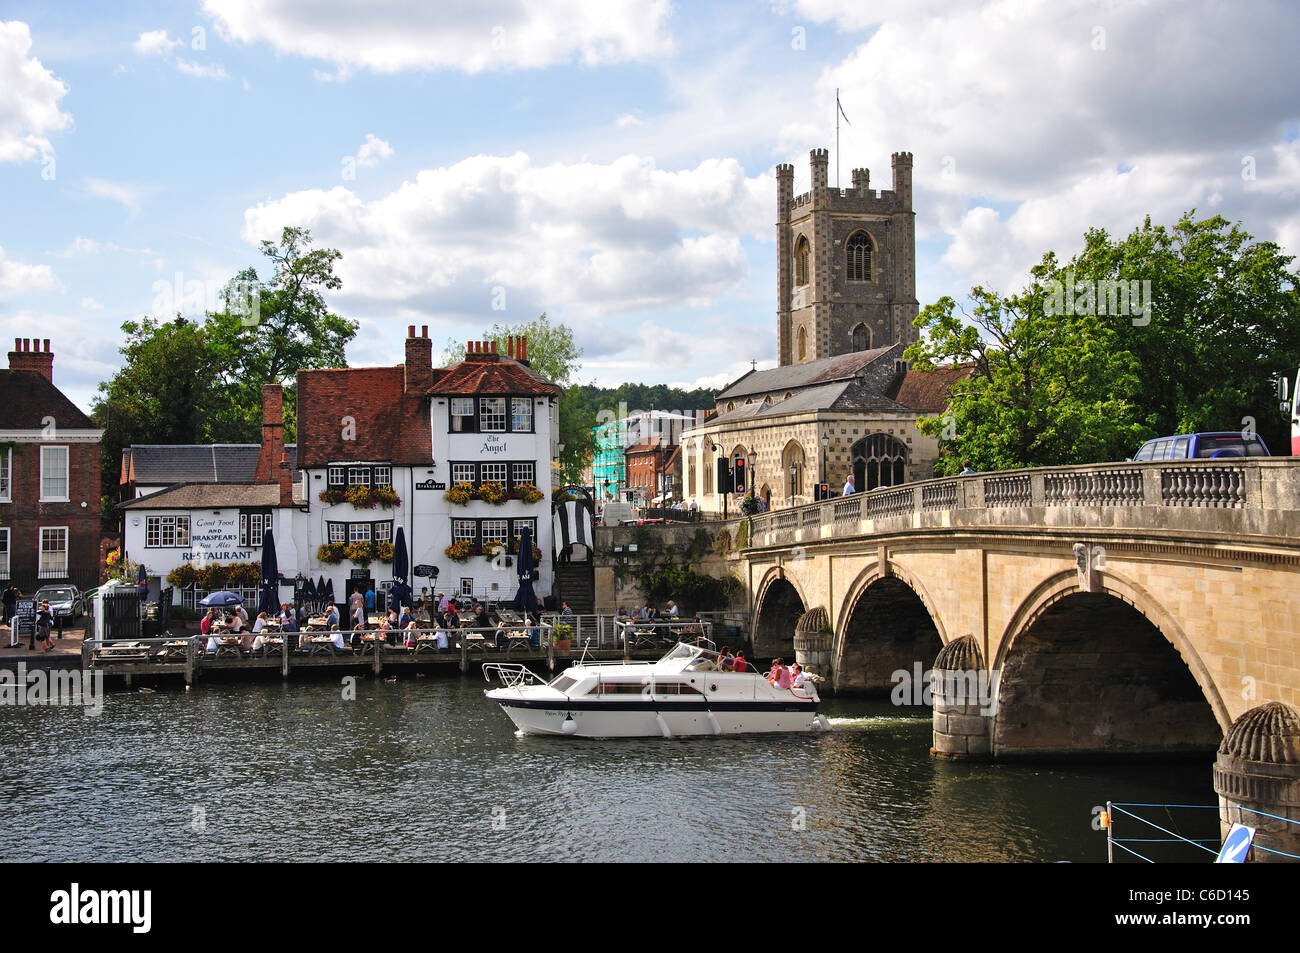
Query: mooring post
(379, 648)
(464, 653)
(284, 655)
(189, 661)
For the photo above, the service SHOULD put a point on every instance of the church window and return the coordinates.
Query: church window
(859, 257)
(861, 338)
(801, 259)
(803, 344)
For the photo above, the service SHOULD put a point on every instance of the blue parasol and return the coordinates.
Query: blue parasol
(309, 594)
(223, 599)
(142, 582)
(269, 602)
(525, 598)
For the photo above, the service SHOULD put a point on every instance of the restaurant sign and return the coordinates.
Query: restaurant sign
(430, 485)
(216, 539)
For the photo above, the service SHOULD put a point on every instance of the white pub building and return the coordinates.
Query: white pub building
(459, 457)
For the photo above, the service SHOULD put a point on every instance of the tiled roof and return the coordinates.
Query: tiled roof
(387, 423)
(837, 396)
(780, 379)
(28, 399)
(204, 495)
(490, 377)
(929, 391)
(164, 464)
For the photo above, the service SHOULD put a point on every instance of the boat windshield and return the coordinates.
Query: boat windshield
(681, 652)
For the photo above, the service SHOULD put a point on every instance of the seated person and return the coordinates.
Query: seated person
(357, 631)
(290, 624)
(259, 642)
(336, 638)
(499, 636)
(411, 633)
(404, 620)
(205, 625)
(799, 679)
(332, 618)
(444, 639)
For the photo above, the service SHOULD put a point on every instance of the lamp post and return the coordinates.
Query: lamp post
(716, 450)
(794, 475)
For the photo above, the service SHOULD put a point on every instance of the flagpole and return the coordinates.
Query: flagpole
(837, 137)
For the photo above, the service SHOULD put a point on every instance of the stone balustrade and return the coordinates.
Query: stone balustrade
(1209, 499)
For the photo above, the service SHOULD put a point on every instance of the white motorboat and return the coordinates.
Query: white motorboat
(684, 693)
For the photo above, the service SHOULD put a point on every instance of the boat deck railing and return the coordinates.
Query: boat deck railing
(1194, 847)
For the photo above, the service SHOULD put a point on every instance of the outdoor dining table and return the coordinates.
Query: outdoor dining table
(229, 647)
(174, 649)
(123, 652)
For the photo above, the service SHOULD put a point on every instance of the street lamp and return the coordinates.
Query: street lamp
(794, 476)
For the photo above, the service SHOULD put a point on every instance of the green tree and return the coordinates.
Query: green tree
(291, 329)
(1062, 388)
(162, 394)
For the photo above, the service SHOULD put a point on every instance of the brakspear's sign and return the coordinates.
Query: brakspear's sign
(215, 539)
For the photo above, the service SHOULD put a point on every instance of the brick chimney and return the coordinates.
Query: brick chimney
(272, 459)
(28, 355)
(482, 352)
(419, 361)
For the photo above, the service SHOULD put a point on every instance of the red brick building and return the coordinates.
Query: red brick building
(49, 477)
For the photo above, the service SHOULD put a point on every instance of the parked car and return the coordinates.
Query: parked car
(616, 513)
(1201, 446)
(65, 600)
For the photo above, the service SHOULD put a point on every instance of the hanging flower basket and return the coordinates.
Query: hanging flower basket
(491, 492)
(361, 496)
(460, 494)
(332, 553)
(361, 553)
(528, 493)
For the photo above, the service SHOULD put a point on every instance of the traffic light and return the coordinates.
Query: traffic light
(724, 476)
(738, 474)
(822, 491)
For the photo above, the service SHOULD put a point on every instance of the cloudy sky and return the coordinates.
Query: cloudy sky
(608, 162)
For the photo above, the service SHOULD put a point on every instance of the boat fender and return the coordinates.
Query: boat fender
(569, 726)
(821, 724)
(663, 725)
(713, 723)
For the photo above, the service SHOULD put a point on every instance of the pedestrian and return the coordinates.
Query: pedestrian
(566, 614)
(966, 468)
(10, 601)
(44, 623)
(370, 599)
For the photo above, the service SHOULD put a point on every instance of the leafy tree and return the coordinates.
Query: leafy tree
(291, 329)
(162, 394)
(1056, 386)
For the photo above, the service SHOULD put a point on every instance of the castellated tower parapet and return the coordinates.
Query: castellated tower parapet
(846, 271)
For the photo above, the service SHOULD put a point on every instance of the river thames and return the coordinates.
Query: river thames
(427, 769)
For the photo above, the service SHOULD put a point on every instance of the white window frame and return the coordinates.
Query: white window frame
(383, 531)
(517, 471)
(495, 468)
(458, 473)
(338, 532)
(358, 476)
(166, 532)
(337, 476)
(67, 474)
(517, 525)
(466, 407)
(496, 531)
(4, 552)
(6, 476)
(467, 587)
(359, 533)
(41, 568)
(526, 413)
(459, 528)
(383, 476)
(492, 419)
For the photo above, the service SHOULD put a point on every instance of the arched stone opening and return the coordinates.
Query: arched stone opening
(889, 630)
(1091, 676)
(774, 622)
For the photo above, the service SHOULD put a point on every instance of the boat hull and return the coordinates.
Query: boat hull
(648, 720)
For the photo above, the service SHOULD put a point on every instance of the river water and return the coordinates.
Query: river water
(427, 769)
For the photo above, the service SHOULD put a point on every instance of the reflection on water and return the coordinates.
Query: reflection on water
(428, 769)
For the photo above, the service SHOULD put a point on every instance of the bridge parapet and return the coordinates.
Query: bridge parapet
(1207, 498)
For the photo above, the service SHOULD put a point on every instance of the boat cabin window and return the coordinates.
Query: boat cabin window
(619, 688)
(563, 683)
(676, 688)
(680, 653)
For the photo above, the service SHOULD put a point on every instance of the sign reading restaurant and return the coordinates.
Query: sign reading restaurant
(216, 538)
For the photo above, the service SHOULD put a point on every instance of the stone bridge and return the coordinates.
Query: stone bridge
(1119, 608)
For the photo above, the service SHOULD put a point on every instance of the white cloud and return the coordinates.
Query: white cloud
(155, 43)
(29, 106)
(90, 304)
(373, 150)
(391, 35)
(627, 120)
(131, 197)
(18, 278)
(89, 246)
(200, 71)
(589, 238)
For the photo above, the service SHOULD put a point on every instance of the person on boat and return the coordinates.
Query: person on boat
(739, 664)
(780, 675)
(800, 681)
(726, 661)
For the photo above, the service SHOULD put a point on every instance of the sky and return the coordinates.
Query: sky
(610, 163)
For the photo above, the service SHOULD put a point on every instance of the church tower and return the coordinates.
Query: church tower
(846, 263)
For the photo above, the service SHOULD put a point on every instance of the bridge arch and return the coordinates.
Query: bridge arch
(886, 623)
(1108, 672)
(777, 607)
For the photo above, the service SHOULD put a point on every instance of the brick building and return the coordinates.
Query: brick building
(49, 477)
